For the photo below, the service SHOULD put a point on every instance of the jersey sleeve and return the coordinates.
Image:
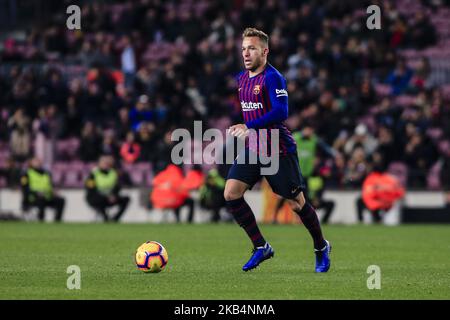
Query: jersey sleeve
(278, 95)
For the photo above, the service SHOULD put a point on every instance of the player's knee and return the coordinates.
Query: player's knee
(294, 205)
(298, 202)
(232, 194)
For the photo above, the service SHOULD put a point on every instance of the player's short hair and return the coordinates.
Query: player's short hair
(253, 32)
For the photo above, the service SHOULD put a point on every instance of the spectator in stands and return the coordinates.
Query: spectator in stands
(422, 32)
(386, 145)
(123, 124)
(147, 140)
(140, 113)
(366, 95)
(103, 190)
(20, 138)
(38, 191)
(162, 155)
(399, 78)
(90, 142)
(43, 146)
(130, 149)
(419, 154)
(72, 118)
(357, 168)
(128, 61)
(387, 114)
(361, 138)
(109, 145)
(337, 171)
(421, 74)
(12, 173)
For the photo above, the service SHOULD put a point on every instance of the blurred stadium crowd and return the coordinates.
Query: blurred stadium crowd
(139, 69)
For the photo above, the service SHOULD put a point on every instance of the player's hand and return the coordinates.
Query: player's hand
(238, 130)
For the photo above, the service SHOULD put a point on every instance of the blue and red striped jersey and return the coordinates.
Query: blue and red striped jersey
(264, 103)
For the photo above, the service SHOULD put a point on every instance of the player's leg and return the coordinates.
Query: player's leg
(309, 218)
(241, 211)
(288, 182)
(243, 214)
(308, 215)
(242, 177)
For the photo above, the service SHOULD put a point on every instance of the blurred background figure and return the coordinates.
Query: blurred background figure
(38, 191)
(103, 190)
(380, 191)
(211, 194)
(171, 190)
(316, 187)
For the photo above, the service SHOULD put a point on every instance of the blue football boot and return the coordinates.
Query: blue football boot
(323, 261)
(259, 255)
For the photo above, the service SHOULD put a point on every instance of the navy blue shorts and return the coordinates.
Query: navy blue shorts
(287, 182)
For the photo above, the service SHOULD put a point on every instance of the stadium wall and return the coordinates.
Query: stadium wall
(345, 210)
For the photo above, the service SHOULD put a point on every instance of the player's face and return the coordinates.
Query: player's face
(253, 53)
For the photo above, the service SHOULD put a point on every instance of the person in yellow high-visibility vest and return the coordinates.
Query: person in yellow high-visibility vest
(38, 191)
(103, 189)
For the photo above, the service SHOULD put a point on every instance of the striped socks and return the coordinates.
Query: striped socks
(311, 222)
(244, 216)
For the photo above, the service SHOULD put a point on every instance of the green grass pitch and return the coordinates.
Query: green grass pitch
(205, 262)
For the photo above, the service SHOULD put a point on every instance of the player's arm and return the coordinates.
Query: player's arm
(276, 86)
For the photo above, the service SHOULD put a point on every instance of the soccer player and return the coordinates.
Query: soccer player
(264, 101)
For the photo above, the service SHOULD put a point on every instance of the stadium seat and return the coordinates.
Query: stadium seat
(399, 170)
(433, 177)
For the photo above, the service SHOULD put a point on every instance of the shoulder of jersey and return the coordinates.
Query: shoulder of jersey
(272, 72)
(240, 75)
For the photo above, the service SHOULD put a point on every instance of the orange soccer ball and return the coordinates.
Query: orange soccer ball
(151, 256)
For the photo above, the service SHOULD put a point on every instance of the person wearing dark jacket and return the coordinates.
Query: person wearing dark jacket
(103, 189)
(38, 191)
